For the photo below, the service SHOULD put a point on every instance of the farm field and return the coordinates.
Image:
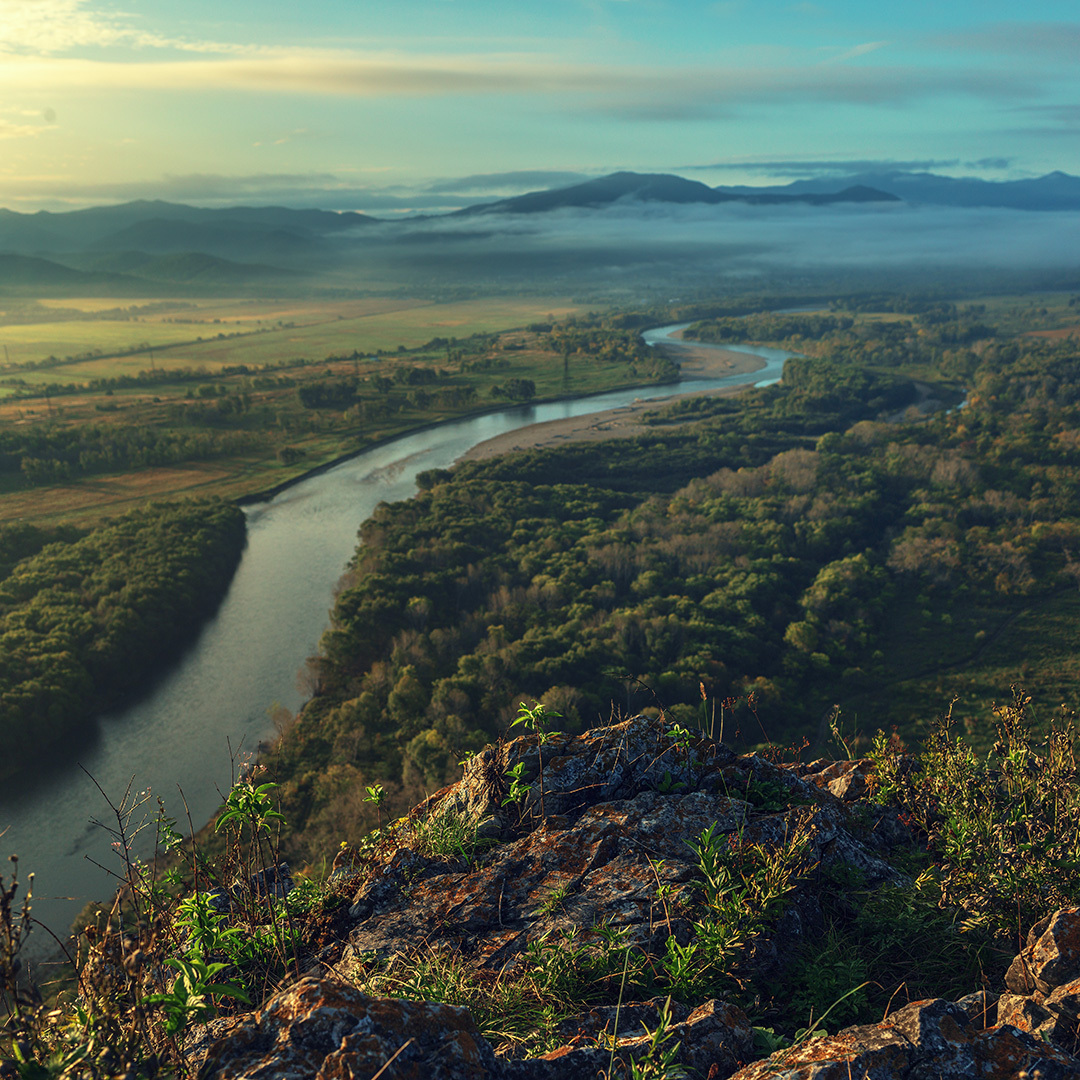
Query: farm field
(80, 443)
(233, 332)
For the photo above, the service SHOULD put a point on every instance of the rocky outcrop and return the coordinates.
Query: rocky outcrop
(612, 846)
(323, 1029)
(924, 1039)
(596, 838)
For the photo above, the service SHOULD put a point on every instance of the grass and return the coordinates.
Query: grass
(244, 331)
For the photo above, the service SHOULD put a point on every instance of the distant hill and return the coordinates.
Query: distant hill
(28, 273)
(188, 266)
(660, 187)
(1055, 191)
(241, 232)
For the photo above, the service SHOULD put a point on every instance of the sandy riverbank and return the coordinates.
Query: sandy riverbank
(694, 363)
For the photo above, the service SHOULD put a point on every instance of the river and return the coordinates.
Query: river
(220, 691)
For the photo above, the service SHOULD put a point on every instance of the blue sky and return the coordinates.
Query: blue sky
(426, 103)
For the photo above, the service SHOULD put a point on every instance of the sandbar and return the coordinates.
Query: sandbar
(695, 362)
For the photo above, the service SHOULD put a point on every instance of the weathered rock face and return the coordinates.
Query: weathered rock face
(622, 807)
(598, 842)
(322, 1029)
(1051, 957)
(926, 1039)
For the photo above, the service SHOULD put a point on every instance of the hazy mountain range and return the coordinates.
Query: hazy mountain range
(151, 246)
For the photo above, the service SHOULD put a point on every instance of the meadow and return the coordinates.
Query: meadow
(96, 338)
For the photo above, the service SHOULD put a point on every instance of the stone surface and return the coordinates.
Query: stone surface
(600, 841)
(926, 1040)
(1051, 957)
(622, 805)
(321, 1029)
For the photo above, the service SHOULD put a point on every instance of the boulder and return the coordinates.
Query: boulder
(623, 806)
(324, 1029)
(926, 1040)
(1051, 956)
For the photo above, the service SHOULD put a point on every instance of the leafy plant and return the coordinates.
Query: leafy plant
(1002, 831)
(535, 718)
(192, 992)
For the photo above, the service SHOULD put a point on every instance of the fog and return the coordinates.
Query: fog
(661, 245)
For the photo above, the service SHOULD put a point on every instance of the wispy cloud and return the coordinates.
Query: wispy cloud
(1048, 40)
(52, 27)
(856, 51)
(847, 167)
(629, 92)
(519, 180)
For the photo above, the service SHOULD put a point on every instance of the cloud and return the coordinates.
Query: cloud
(856, 51)
(1056, 41)
(847, 167)
(509, 182)
(319, 190)
(656, 93)
(49, 27)
(682, 243)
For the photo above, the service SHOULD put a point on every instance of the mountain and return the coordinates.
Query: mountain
(659, 187)
(18, 272)
(191, 267)
(1055, 191)
(162, 227)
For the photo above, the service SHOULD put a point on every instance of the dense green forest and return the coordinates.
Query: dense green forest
(763, 557)
(85, 618)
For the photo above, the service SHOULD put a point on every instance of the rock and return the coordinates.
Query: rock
(623, 806)
(1065, 1000)
(847, 780)
(981, 1008)
(322, 1029)
(714, 1040)
(1051, 957)
(926, 1040)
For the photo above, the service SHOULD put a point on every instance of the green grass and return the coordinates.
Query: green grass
(266, 333)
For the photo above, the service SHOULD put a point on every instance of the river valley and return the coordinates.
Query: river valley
(214, 704)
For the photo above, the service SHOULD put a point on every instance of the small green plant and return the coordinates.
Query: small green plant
(535, 719)
(841, 741)
(554, 899)
(376, 794)
(518, 788)
(744, 886)
(1002, 831)
(658, 1062)
(681, 737)
(191, 996)
(768, 795)
(450, 835)
(667, 785)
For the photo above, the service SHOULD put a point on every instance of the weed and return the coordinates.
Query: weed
(518, 788)
(1002, 831)
(376, 794)
(554, 899)
(535, 719)
(448, 834)
(768, 795)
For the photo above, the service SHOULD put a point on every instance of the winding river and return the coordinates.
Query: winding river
(220, 692)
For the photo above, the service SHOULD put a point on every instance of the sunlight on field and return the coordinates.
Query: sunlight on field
(242, 331)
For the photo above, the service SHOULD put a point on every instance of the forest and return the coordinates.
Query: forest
(758, 561)
(86, 617)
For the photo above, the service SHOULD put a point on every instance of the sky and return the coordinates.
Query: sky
(401, 105)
